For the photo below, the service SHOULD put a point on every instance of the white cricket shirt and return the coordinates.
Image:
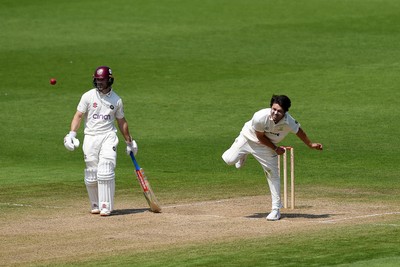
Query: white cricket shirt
(262, 122)
(100, 111)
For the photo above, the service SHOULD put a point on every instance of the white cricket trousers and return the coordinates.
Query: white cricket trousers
(101, 148)
(265, 156)
(100, 152)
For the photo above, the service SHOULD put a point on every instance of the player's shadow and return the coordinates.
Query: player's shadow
(128, 211)
(291, 215)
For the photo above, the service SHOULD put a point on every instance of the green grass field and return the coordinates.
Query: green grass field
(190, 74)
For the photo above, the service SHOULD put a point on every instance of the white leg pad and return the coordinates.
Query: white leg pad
(106, 183)
(92, 188)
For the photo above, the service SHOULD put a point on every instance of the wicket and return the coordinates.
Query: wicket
(285, 181)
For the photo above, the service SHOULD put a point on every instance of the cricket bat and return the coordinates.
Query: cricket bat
(145, 185)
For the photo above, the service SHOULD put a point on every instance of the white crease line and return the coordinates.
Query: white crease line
(360, 217)
(200, 203)
(28, 205)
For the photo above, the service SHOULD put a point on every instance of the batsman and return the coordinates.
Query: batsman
(100, 107)
(260, 137)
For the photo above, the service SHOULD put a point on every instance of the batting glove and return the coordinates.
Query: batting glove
(131, 147)
(70, 141)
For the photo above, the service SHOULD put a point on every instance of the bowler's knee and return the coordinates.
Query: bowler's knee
(229, 158)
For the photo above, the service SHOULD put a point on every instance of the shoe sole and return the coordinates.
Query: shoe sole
(107, 213)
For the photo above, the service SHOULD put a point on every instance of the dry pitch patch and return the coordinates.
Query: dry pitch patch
(53, 234)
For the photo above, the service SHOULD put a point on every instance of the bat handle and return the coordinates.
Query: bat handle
(134, 161)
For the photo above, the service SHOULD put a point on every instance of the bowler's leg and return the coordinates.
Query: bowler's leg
(269, 162)
(237, 153)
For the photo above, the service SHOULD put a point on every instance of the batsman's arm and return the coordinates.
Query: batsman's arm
(70, 140)
(76, 121)
(123, 126)
(265, 141)
(303, 136)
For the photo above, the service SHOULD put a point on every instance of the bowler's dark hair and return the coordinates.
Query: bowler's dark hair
(282, 100)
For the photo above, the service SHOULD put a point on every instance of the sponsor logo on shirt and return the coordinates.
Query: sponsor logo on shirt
(280, 129)
(101, 117)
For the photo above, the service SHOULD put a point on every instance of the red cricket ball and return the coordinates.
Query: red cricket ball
(53, 81)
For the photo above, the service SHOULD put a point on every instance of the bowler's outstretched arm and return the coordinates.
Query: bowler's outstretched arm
(303, 136)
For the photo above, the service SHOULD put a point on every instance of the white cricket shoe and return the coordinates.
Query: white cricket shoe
(105, 212)
(274, 215)
(241, 162)
(95, 211)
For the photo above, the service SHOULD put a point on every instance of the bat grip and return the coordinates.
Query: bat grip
(134, 161)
